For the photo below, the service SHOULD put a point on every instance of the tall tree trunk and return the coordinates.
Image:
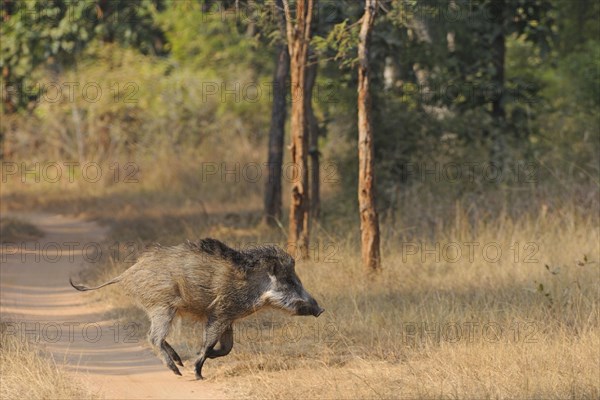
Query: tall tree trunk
(298, 39)
(499, 53)
(276, 132)
(313, 138)
(369, 222)
(250, 6)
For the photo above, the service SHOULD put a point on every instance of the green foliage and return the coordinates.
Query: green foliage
(582, 71)
(434, 77)
(209, 39)
(341, 42)
(55, 32)
(436, 103)
(576, 23)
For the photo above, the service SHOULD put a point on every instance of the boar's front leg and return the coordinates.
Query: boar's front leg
(172, 353)
(213, 331)
(225, 344)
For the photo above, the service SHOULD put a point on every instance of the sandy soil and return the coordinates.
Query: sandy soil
(40, 304)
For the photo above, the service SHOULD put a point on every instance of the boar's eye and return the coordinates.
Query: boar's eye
(290, 281)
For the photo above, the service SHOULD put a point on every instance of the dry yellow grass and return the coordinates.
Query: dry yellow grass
(439, 330)
(28, 372)
(522, 324)
(556, 368)
(448, 317)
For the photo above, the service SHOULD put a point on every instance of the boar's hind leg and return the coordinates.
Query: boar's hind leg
(212, 333)
(225, 344)
(160, 322)
(174, 356)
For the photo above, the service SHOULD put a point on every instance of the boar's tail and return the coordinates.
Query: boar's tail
(83, 288)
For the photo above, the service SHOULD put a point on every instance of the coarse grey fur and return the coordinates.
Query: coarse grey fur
(209, 281)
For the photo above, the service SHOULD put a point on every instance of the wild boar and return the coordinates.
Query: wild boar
(209, 281)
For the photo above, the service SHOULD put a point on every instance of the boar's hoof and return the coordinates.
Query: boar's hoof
(175, 370)
(198, 370)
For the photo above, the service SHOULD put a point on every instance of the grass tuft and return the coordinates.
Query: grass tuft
(29, 372)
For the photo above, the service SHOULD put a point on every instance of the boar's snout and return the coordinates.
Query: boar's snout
(310, 307)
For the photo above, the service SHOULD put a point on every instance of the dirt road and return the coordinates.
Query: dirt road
(36, 297)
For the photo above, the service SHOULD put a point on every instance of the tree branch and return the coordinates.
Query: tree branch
(309, 14)
(288, 25)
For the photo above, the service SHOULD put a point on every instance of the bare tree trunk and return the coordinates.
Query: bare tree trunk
(499, 53)
(276, 138)
(498, 50)
(277, 130)
(250, 6)
(313, 138)
(298, 39)
(206, 5)
(369, 223)
(76, 114)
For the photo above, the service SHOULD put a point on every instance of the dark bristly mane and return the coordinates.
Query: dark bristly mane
(247, 258)
(217, 248)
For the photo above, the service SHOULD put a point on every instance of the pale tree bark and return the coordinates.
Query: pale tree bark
(277, 131)
(298, 39)
(369, 222)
